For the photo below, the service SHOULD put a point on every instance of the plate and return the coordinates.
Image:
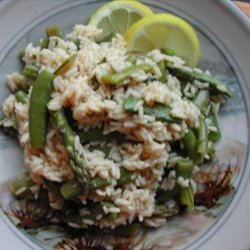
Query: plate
(224, 53)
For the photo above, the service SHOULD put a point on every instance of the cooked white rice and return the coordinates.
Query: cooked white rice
(146, 156)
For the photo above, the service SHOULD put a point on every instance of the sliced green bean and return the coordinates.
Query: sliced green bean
(71, 189)
(119, 77)
(112, 216)
(20, 187)
(97, 183)
(31, 71)
(65, 66)
(202, 137)
(44, 43)
(97, 209)
(132, 59)
(214, 136)
(25, 85)
(187, 197)
(52, 186)
(190, 143)
(96, 134)
(159, 111)
(211, 150)
(53, 31)
(214, 84)
(129, 104)
(201, 100)
(21, 96)
(184, 168)
(39, 99)
(162, 67)
(125, 176)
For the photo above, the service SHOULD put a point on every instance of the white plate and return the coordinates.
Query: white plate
(221, 22)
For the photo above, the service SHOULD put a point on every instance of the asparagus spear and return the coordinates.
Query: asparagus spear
(71, 189)
(77, 163)
(214, 84)
(118, 77)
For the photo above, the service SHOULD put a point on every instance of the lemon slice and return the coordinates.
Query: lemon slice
(118, 16)
(164, 31)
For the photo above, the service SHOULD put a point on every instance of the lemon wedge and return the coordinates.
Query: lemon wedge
(118, 16)
(164, 31)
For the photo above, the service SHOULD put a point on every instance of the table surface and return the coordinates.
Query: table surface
(245, 7)
(5, 231)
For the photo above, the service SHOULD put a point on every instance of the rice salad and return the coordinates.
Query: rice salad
(124, 137)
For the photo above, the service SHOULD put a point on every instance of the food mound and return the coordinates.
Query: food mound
(118, 134)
